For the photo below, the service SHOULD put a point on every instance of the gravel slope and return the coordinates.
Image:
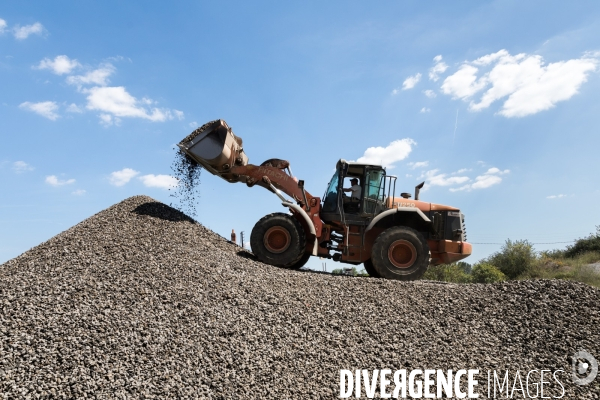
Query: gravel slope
(138, 301)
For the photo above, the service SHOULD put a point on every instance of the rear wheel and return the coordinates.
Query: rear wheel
(400, 253)
(278, 239)
(370, 268)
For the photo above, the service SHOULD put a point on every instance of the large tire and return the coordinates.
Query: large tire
(303, 260)
(400, 253)
(370, 268)
(278, 239)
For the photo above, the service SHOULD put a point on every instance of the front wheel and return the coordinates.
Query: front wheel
(368, 264)
(400, 253)
(278, 239)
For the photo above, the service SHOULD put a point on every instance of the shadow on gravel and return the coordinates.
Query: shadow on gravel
(162, 211)
(246, 254)
(250, 256)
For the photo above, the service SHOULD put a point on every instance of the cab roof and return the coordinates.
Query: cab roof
(357, 164)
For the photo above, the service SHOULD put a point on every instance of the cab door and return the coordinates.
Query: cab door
(373, 198)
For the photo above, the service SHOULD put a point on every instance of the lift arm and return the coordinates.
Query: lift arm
(221, 152)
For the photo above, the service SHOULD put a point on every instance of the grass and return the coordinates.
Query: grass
(561, 267)
(547, 265)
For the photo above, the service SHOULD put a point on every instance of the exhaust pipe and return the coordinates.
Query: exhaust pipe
(418, 189)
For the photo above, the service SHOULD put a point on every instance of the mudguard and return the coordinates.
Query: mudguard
(384, 214)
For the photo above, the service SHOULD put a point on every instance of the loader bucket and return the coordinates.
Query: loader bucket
(215, 147)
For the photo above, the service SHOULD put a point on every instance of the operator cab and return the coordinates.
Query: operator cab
(339, 204)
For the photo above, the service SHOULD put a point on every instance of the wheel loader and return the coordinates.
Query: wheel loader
(394, 237)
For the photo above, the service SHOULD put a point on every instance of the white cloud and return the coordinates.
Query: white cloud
(411, 81)
(79, 192)
(118, 102)
(54, 181)
(193, 125)
(120, 178)
(528, 84)
(2, 26)
(435, 178)
(159, 181)
(395, 92)
(425, 110)
(556, 196)
(495, 170)
(99, 76)
(418, 164)
(439, 68)
(179, 115)
(485, 181)
(60, 65)
(21, 166)
(46, 109)
(463, 83)
(430, 93)
(112, 102)
(489, 178)
(490, 58)
(107, 120)
(23, 32)
(386, 156)
(74, 108)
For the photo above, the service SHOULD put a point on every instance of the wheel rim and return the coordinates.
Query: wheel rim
(402, 254)
(277, 239)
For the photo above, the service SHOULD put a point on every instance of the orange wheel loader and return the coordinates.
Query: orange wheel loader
(394, 237)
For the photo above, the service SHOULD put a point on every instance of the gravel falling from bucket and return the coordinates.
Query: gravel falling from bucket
(187, 172)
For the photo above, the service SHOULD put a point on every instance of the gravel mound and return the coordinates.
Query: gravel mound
(140, 301)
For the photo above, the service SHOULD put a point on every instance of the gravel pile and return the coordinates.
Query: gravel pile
(140, 301)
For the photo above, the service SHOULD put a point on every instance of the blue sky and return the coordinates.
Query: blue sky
(494, 104)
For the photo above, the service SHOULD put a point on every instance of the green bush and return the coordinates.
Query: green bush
(486, 273)
(447, 273)
(466, 267)
(553, 254)
(585, 245)
(514, 259)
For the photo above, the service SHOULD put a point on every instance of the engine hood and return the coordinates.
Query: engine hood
(395, 202)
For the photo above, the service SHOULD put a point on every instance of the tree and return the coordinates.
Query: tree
(448, 273)
(585, 245)
(486, 273)
(514, 259)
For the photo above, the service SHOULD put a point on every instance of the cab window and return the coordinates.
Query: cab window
(330, 197)
(374, 189)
